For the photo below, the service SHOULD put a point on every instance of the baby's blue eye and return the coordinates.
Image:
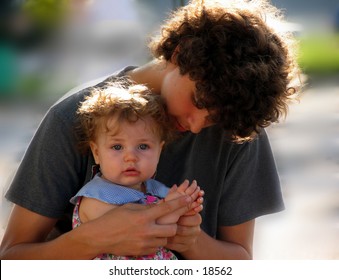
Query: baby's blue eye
(117, 147)
(143, 146)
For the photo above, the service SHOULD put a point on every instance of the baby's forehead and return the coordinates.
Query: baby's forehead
(114, 126)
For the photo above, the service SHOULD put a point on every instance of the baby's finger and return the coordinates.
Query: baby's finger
(201, 193)
(173, 189)
(192, 188)
(196, 203)
(183, 187)
(194, 210)
(196, 194)
(158, 210)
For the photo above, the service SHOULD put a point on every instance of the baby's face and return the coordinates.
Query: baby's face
(128, 155)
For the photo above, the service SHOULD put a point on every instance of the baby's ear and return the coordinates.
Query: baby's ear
(95, 152)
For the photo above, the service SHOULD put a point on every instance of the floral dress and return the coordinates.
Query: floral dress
(108, 192)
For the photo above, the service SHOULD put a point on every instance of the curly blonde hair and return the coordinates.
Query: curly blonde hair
(125, 101)
(239, 55)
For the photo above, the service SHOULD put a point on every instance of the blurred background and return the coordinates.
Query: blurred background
(48, 47)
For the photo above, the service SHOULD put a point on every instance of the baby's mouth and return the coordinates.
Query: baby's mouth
(131, 171)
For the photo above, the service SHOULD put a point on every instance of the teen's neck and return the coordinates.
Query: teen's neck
(150, 74)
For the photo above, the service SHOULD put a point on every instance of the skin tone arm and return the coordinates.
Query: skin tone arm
(26, 233)
(233, 242)
(91, 208)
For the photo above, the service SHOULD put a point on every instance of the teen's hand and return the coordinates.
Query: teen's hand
(188, 231)
(138, 232)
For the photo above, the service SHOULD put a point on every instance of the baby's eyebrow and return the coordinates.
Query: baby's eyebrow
(146, 140)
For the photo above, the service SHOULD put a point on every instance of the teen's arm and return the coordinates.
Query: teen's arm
(125, 230)
(233, 243)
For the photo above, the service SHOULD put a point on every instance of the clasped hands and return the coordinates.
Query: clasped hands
(173, 223)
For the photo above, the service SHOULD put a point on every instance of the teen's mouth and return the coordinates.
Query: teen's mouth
(180, 127)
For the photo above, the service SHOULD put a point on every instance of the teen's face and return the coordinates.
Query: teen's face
(178, 91)
(130, 155)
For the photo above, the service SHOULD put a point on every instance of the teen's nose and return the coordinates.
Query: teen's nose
(195, 129)
(198, 120)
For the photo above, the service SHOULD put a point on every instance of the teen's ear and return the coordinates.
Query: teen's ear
(95, 151)
(174, 56)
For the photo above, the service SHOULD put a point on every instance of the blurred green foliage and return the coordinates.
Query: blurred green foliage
(46, 13)
(319, 53)
(8, 70)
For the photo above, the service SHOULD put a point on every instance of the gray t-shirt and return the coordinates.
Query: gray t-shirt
(240, 180)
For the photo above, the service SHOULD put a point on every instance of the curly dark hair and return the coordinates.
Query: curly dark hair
(241, 62)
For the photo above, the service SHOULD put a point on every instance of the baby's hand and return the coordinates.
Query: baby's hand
(194, 191)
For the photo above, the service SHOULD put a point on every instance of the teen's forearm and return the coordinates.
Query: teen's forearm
(71, 245)
(208, 248)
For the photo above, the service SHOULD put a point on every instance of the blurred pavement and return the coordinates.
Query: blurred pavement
(306, 148)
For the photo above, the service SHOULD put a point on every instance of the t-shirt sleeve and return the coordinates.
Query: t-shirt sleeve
(50, 172)
(53, 169)
(252, 186)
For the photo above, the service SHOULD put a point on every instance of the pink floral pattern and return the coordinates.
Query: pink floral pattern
(161, 254)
